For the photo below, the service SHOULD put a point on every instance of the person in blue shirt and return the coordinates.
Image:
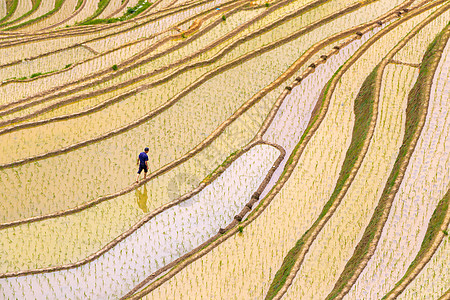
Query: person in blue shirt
(142, 162)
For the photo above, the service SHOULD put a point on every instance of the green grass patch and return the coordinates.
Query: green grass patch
(436, 221)
(40, 73)
(79, 4)
(363, 109)
(35, 74)
(416, 101)
(36, 3)
(11, 6)
(130, 13)
(34, 7)
(100, 8)
(31, 76)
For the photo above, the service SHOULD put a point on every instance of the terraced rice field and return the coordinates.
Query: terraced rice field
(299, 149)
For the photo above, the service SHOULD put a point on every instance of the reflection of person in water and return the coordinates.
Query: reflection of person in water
(142, 199)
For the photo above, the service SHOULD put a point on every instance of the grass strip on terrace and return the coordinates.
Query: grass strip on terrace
(55, 105)
(264, 91)
(102, 4)
(424, 184)
(415, 116)
(290, 166)
(23, 125)
(57, 33)
(67, 12)
(111, 34)
(336, 240)
(131, 12)
(248, 246)
(11, 6)
(35, 6)
(122, 66)
(58, 5)
(110, 74)
(79, 3)
(142, 290)
(433, 237)
(83, 34)
(431, 282)
(356, 152)
(363, 109)
(73, 48)
(170, 103)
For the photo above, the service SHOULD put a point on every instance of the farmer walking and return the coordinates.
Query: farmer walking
(142, 162)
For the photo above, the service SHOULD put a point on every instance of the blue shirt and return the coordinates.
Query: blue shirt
(143, 157)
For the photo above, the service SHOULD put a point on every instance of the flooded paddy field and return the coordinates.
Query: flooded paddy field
(292, 149)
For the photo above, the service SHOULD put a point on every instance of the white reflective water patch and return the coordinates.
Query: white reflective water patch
(164, 238)
(294, 114)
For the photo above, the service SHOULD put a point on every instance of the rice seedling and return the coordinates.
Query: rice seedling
(298, 149)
